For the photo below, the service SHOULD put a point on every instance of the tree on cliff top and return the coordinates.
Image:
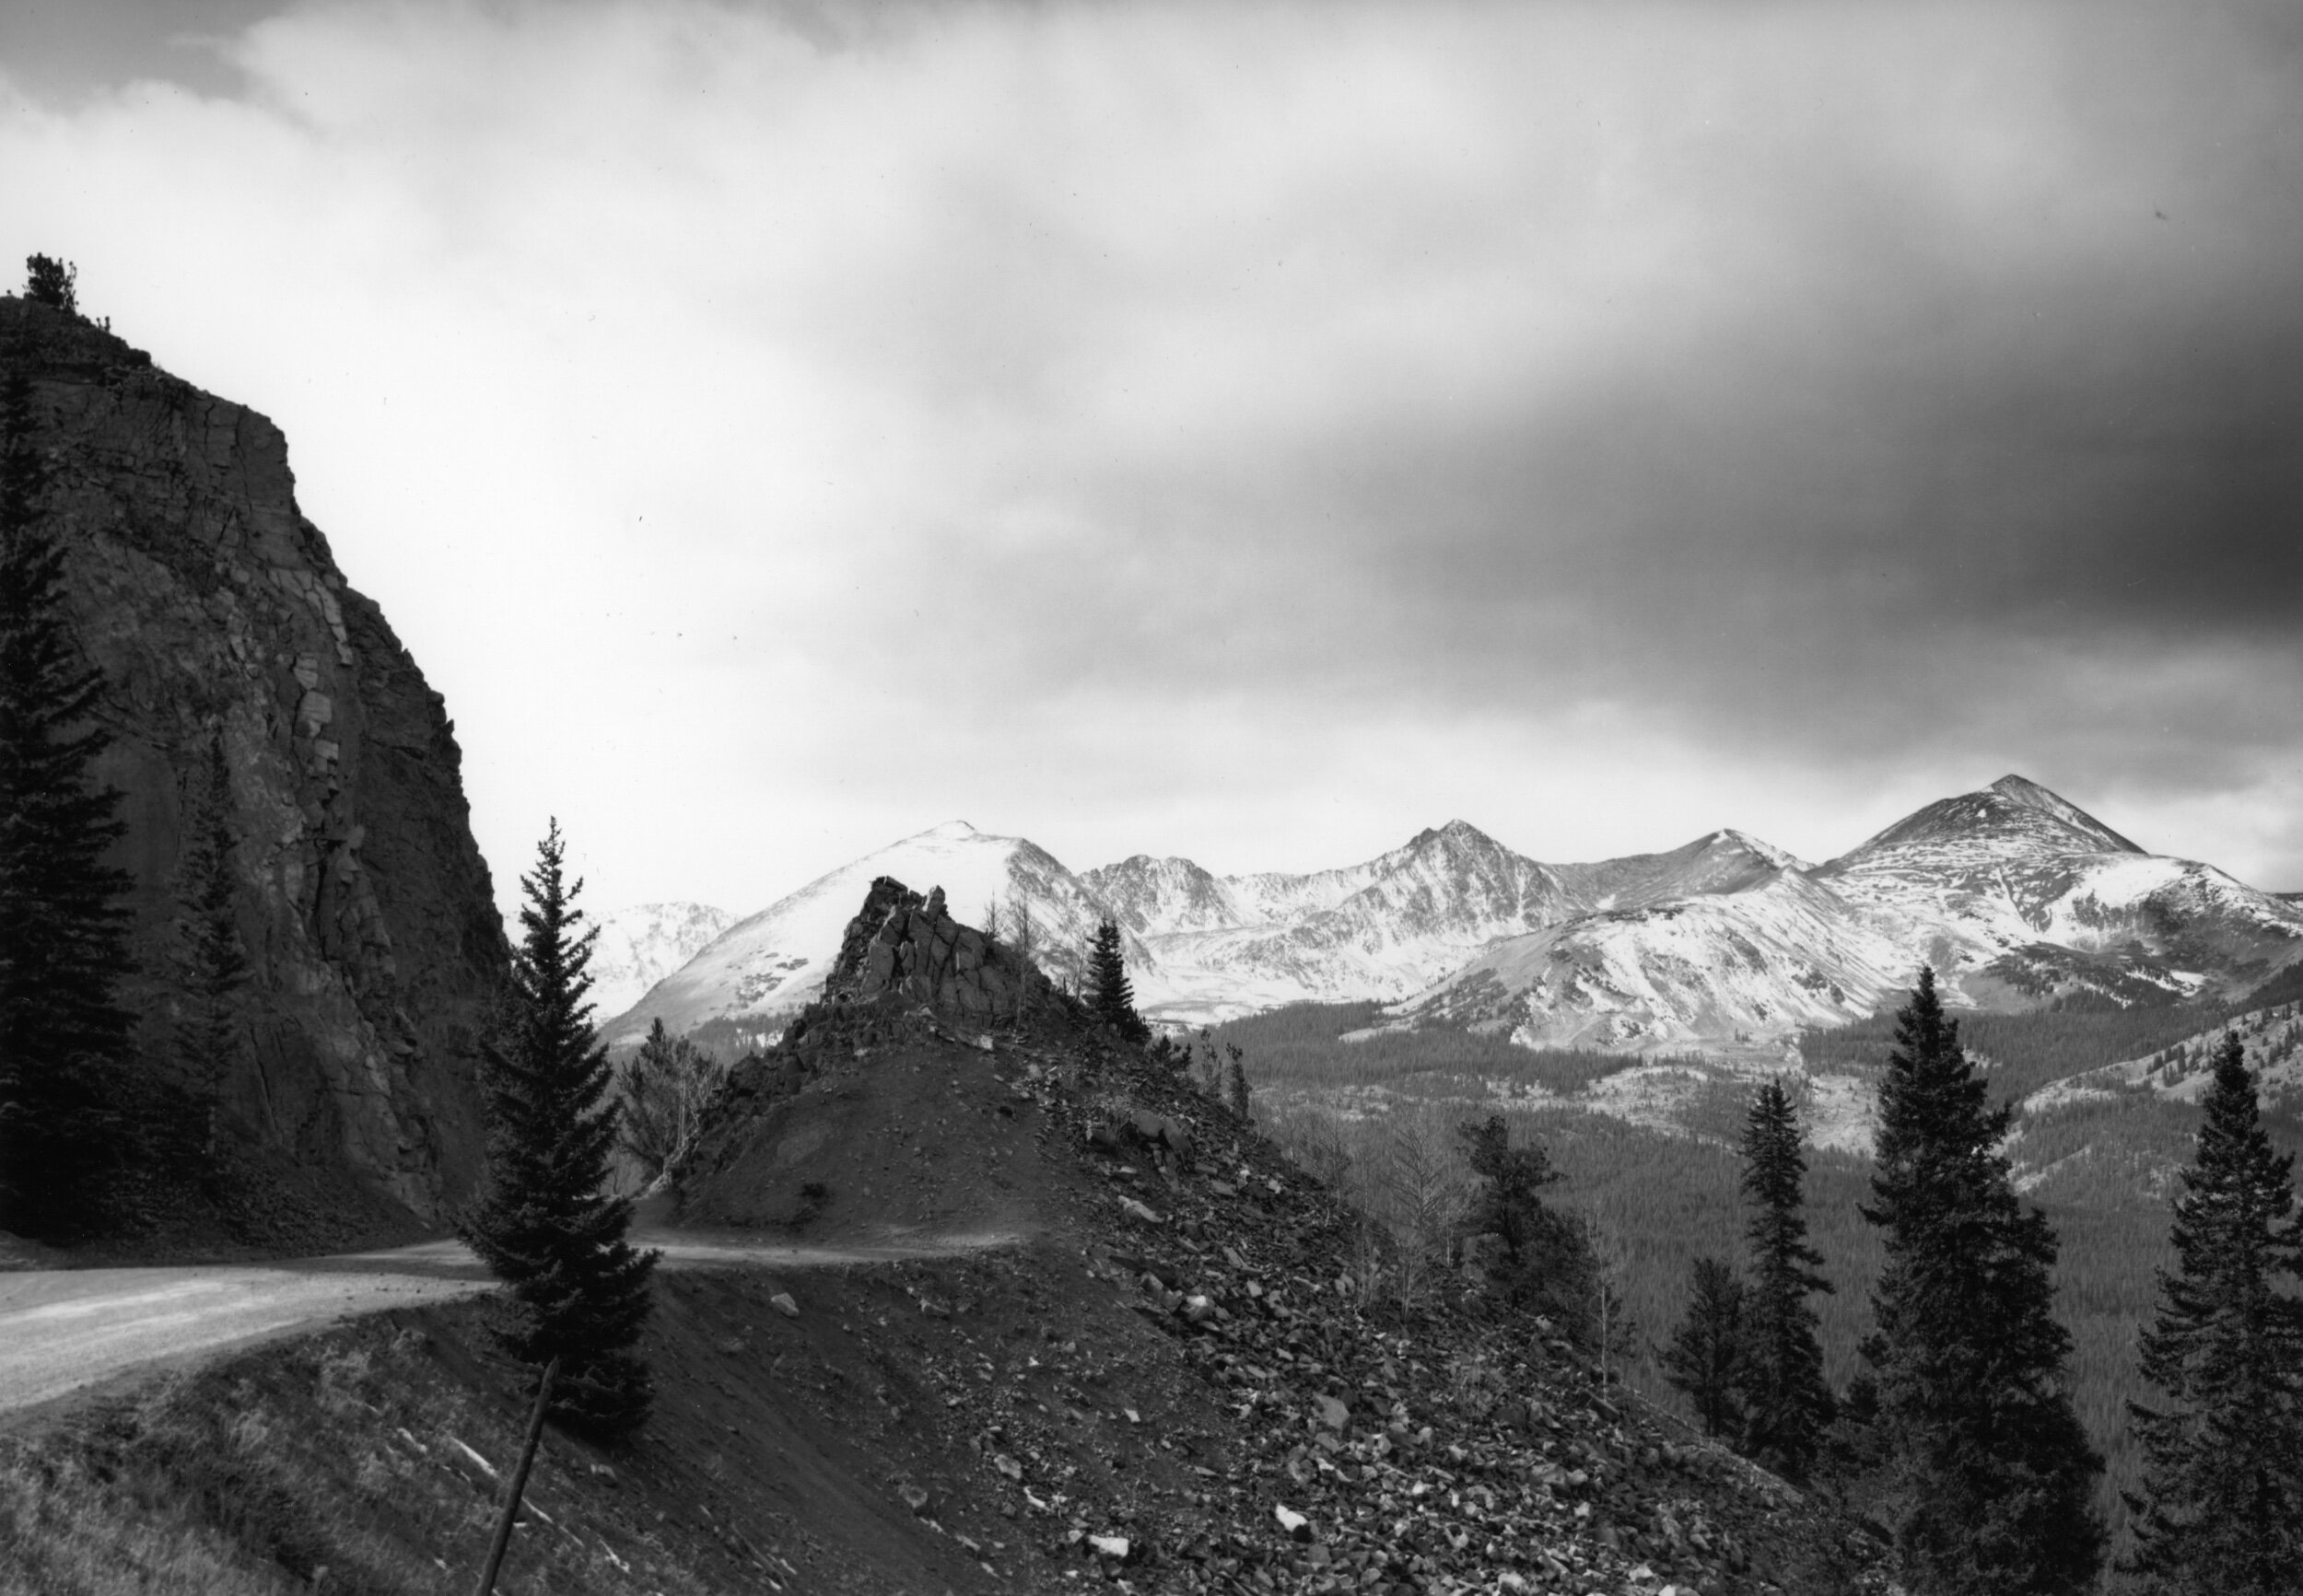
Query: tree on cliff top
(544, 1222)
(52, 282)
(64, 931)
(2221, 1508)
(1991, 1474)
(1110, 993)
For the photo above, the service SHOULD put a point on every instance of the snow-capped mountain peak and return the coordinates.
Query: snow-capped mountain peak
(768, 966)
(2013, 819)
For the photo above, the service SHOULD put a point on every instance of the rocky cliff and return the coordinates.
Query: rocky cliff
(215, 612)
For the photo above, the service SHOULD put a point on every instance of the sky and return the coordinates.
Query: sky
(1249, 432)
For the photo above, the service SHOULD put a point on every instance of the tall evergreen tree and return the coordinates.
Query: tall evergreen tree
(1110, 993)
(1991, 1473)
(1706, 1357)
(543, 1221)
(212, 962)
(63, 927)
(2221, 1508)
(1787, 1405)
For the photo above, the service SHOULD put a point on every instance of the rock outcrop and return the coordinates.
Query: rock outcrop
(216, 613)
(903, 946)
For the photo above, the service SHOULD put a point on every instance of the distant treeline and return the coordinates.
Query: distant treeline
(1302, 1046)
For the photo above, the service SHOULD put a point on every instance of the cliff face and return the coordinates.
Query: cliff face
(215, 611)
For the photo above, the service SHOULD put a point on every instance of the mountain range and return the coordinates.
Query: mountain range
(2017, 897)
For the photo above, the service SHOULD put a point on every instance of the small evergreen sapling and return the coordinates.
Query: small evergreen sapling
(1787, 1405)
(544, 1222)
(1545, 1263)
(1706, 1357)
(1991, 1473)
(2221, 1508)
(1111, 995)
(212, 963)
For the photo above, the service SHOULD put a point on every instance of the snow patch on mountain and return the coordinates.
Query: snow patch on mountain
(1232, 945)
(640, 945)
(1784, 953)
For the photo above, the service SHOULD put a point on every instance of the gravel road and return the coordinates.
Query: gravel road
(63, 1331)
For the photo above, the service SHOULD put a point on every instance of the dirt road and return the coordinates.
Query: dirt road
(63, 1331)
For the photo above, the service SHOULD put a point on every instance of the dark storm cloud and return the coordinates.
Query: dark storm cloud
(1260, 431)
(64, 50)
(1953, 446)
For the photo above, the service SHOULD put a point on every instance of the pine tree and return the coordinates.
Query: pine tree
(63, 928)
(1110, 994)
(544, 1222)
(52, 282)
(1237, 1097)
(1546, 1265)
(2221, 1508)
(212, 963)
(1991, 1473)
(1787, 1405)
(1706, 1357)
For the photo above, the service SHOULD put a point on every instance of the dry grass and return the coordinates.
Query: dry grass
(330, 1464)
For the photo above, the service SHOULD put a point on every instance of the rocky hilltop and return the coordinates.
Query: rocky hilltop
(1174, 1372)
(217, 614)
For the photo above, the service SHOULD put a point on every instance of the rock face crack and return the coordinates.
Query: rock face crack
(217, 614)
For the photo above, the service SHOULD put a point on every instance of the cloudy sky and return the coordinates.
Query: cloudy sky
(1251, 432)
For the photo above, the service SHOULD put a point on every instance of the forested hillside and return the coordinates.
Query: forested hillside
(1663, 1194)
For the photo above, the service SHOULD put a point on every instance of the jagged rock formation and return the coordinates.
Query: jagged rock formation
(215, 612)
(903, 946)
(901, 954)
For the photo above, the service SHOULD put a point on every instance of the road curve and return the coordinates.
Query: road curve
(63, 1331)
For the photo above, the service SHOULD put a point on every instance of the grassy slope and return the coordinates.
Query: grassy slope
(345, 1454)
